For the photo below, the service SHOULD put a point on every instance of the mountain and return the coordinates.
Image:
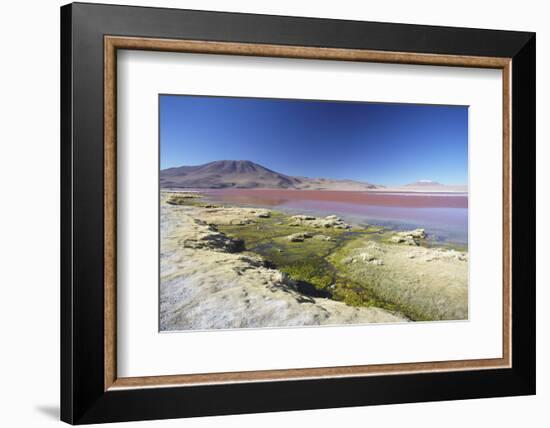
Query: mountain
(434, 186)
(226, 173)
(245, 174)
(331, 184)
(424, 183)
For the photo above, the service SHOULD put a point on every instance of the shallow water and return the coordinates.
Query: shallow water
(443, 215)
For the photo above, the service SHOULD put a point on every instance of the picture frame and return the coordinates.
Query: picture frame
(91, 390)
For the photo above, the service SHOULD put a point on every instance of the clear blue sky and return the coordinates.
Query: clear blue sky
(387, 144)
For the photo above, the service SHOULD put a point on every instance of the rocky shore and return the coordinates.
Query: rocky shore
(235, 267)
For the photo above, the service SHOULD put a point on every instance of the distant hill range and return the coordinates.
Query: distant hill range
(244, 174)
(434, 186)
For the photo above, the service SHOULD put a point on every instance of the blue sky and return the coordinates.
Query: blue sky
(381, 143)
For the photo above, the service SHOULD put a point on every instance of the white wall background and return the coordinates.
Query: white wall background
(29, 214)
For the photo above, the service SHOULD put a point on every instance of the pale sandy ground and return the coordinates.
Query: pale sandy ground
(430, 282)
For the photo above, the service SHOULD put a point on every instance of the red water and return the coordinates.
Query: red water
(444, 215)
(401, 199)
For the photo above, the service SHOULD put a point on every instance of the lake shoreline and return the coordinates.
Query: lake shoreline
(318, 261)
(444, 216)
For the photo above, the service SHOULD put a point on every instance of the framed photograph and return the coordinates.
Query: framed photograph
(316, 212)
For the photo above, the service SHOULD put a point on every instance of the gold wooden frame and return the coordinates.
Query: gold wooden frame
(113, 43)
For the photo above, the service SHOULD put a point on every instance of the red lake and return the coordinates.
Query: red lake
(443, 215)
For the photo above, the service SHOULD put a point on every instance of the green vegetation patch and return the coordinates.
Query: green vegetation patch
(398, 284)
(311, 261)
(182, 198)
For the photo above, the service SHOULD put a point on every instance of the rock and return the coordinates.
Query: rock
(342, 226)
(206, 236)
(370, 259)
(296, 237)
(332, 221)
(417, 233)
(252, 260)
(404, 240)
(238, 216)
(410, 237)
(182, 198)
(240, 221)
(177, 200)
(366, 257)
(319, 222)
(302, 217)
(299, 220)
(299, 237)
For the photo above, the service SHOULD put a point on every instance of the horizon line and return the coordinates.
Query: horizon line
(319, 177)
